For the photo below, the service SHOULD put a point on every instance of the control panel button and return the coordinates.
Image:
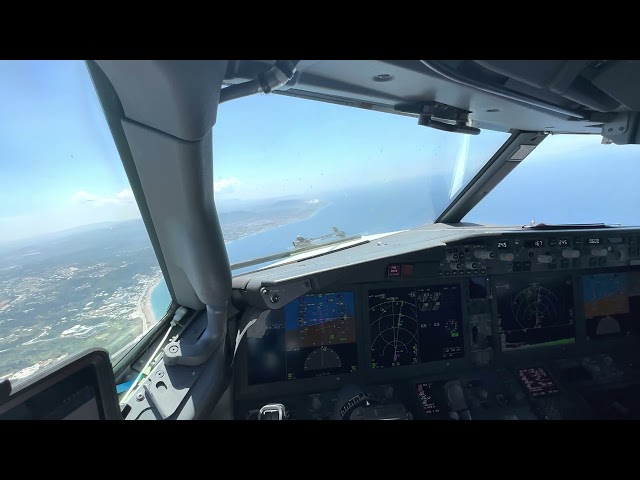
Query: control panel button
(599, 252)
(507, 257)
(570, 253)
(545, 258)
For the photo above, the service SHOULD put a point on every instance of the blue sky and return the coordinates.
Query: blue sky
(59, 162)
(60, 167)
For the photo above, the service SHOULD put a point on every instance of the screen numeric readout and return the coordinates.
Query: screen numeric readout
(537, 382)
(538, 243)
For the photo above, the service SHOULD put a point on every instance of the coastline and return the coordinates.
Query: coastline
(144, 306)
(326, 204)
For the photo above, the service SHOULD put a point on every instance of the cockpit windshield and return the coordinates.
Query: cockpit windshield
(569, 178)
(291, 174)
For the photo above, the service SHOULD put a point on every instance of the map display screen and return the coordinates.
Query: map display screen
(415, 325)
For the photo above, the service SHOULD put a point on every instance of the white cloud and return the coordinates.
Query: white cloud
(223, 184)
(123, 197)
(83, 197)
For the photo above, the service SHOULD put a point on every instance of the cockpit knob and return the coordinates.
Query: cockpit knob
(455, 396)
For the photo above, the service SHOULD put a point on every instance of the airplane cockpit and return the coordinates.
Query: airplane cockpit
(393, 290)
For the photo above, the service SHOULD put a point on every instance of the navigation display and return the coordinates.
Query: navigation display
(611, 304)
(312, 336)
(414, 325)
(534, 312)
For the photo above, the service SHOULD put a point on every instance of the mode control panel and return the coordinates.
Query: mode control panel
(541, 251)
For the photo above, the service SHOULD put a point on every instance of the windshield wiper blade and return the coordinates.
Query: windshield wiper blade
(299, 250)
(569, 226)
(301, 242)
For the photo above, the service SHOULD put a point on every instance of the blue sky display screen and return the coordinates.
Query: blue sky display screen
(611, 304)
(312, 336)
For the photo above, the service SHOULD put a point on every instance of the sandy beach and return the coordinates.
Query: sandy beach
(144, 307)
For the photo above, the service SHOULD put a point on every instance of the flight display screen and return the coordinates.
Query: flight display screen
(535, 312)
(611, 304)
(415, 325)
(312, 336)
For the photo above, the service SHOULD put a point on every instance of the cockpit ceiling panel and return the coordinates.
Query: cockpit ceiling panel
(383, 84)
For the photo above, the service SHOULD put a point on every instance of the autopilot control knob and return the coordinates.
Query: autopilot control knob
(471, 265)
(570, 253)
(599, 252)
(622, 255)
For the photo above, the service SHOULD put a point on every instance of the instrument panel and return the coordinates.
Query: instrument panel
(487, 302)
